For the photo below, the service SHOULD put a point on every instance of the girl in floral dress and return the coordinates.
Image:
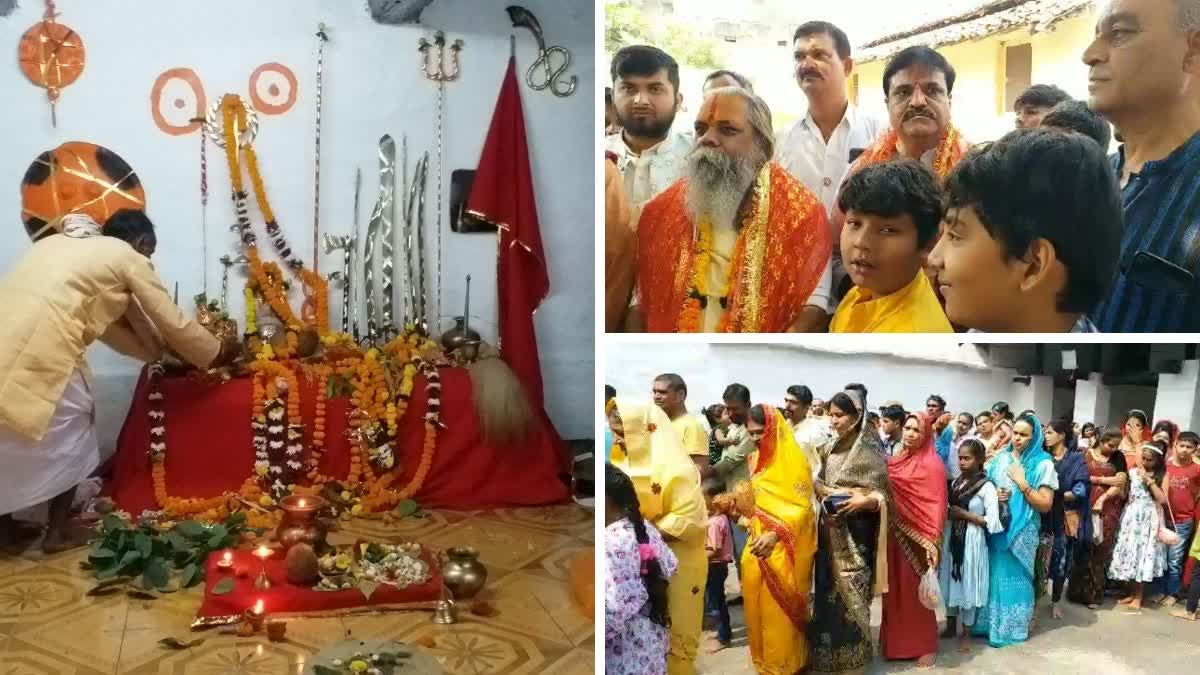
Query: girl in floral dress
(637, 567)
(1139, 556)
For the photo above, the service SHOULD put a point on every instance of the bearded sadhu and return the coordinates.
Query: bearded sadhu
(69, 289)
(737, 245)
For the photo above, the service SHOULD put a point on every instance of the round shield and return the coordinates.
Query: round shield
(77, 177)
(51, 56)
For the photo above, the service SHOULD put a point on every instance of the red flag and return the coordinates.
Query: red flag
(502, 194)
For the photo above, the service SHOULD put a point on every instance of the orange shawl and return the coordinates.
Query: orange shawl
(781, 252)
(949, 153)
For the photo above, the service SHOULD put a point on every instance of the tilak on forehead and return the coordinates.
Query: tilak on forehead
(717, 108)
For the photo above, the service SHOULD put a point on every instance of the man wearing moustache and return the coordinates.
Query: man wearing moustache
(736, 245)
(817, 150)
(917, 84)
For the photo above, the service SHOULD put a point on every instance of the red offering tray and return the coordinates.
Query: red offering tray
(284, 599)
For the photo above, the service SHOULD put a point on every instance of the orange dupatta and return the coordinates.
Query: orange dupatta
(950, 151)
(781, 252)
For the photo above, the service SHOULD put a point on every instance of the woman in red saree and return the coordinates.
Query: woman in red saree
(918, 480)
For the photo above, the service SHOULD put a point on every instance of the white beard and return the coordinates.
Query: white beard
(717, 183)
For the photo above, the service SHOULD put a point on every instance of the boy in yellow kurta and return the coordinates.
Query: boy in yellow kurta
(777, 561)
(892, 212)
(648, 450)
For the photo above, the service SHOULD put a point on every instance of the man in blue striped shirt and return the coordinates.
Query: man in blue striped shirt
(1144, 74)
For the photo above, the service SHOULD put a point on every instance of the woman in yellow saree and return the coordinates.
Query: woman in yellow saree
(777, 560)
(648, 450)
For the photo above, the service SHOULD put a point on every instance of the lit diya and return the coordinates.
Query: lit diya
(262, 582)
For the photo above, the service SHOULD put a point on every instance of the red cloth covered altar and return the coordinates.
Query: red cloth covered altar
(209, 447)
(287, 600)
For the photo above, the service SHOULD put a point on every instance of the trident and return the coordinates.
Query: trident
(437, 69)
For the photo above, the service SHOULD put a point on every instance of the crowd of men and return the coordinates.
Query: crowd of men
(847, 223)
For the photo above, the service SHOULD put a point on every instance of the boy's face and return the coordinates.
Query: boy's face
(881, 253)
(1185, 450)
(979, 284)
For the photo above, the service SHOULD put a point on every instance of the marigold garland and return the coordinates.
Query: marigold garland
(691, 313)
(267, 278)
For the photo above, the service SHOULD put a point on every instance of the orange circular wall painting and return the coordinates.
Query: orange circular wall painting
(51, 56)
(177, 101)
(77, 177)
(273, 88)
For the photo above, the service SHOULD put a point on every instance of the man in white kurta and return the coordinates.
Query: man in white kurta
(68, 290)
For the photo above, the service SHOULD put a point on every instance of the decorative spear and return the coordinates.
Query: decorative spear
(354, 239)
(345, 243)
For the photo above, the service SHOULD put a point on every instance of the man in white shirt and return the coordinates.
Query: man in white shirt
(811, 433)
(817, 149)
(646, 96)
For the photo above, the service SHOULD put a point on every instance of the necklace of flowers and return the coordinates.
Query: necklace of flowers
(211, 509)
(316, 288)
(692, 311)
(380, 496)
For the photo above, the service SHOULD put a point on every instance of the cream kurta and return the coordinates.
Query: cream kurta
(63, 295)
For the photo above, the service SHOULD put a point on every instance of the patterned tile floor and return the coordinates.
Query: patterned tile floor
(48, 625)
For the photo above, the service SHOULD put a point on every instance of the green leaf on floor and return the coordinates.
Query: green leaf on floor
(156, 574)
(191, 575)
(174, 643)
(223, 586)
(191, 529)
(142, 543)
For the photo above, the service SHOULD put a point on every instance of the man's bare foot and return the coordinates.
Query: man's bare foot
(715, 646)
(1169, 601)
(1183, 614)
(926, 661)
(1093, 606)
(1126, 600)
(1156, 598)
(57, 541)
(1135, 607)
(18, 536)
(964, 644)
(1056, 611)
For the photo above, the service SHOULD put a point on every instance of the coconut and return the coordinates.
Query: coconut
(301, 565)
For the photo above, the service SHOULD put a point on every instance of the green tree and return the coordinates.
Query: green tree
(624, 24)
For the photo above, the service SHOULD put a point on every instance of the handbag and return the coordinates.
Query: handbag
(1165, 534)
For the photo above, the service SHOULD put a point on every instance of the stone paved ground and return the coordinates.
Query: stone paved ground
(1104, 642)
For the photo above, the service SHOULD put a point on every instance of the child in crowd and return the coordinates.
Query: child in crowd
(1183, 491)
(719, 546)
(1188, 611)
(638, 565)
(1138, 556)
(892, 214)
(1077, 116)
(1009, 258)
(974, 513)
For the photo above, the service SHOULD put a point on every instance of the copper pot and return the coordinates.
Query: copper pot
(462, 572)
(299, 523)
(462, 338)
